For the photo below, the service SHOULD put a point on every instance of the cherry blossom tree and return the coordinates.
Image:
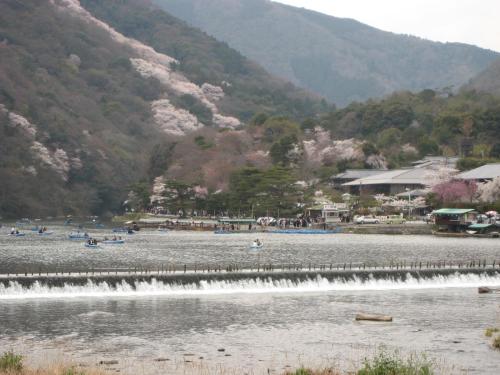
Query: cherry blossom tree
(455, 191)
(490, 191)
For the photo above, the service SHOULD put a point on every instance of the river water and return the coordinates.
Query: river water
(263, 326)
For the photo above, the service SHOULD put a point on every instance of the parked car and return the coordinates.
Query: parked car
(366, 220)
(395, 219)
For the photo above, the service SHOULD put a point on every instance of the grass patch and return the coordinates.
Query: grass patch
(490, 331)
(11, 362)
(496, 342)
(392, 364)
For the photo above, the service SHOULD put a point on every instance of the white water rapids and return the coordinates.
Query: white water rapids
(15, 290)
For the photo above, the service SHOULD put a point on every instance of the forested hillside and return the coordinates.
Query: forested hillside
(487, 81)
(406, 125)
(341, 59)
(106, 102)
(82, 106)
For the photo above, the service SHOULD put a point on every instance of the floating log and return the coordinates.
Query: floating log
(485, 289)
(374, 317)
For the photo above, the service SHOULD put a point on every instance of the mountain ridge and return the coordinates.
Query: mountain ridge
(339, 58)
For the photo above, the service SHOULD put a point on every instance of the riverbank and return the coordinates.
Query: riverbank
(382, 362)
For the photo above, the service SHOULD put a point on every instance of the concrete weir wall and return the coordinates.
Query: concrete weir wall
(187, 278)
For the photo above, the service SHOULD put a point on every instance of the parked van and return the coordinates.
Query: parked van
(395, 219)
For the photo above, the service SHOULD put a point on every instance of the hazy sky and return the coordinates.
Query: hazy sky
(467, 21)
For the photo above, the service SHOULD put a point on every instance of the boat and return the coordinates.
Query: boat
(91, 245)
(78, 236)
(17, 234)
(46, 233)
(220, 231)
(113, 242)
(23, 222)
(256, 245)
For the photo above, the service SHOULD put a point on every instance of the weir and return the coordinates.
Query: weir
(112, 279)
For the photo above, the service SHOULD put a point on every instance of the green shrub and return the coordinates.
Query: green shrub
(496, 342)
(393, 364)
(11, 362)
(302, 371)
(490, 331)
(72, 371)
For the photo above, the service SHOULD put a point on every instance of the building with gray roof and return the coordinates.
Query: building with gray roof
(483, 173)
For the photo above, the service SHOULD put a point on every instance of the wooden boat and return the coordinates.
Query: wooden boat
(113, 242)
(78, 236)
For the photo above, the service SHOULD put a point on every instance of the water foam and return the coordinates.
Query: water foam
(249, 286)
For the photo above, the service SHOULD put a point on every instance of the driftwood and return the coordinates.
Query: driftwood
(486, 289)
(374, 317)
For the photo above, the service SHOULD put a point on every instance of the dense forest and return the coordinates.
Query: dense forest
(75, 111)
(466, 124)
(90, 118)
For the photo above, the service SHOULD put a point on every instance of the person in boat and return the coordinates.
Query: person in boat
(257, 243)
(114, 238)
(13, 230)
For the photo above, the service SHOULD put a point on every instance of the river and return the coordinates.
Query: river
(262, 326)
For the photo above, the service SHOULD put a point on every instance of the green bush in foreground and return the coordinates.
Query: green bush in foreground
(496, 342)
(387, 364)
(490, 331)
(11, 362)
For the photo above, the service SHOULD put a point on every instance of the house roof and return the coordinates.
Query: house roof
(452, 211)
(485, 172)
(411, 176)
(352, 174)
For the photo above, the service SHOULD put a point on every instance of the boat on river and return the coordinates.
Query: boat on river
(256, 245)
(20, 234)
(78, 236)
(46, 233)
(92, 245)
(113, 242)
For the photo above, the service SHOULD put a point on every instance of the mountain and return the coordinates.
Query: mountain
(86, 111)
(487, 81)
(340, 59)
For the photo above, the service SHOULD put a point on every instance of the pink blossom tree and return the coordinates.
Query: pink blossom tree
(455, 191)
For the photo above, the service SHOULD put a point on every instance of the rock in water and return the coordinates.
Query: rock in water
(374, 317)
